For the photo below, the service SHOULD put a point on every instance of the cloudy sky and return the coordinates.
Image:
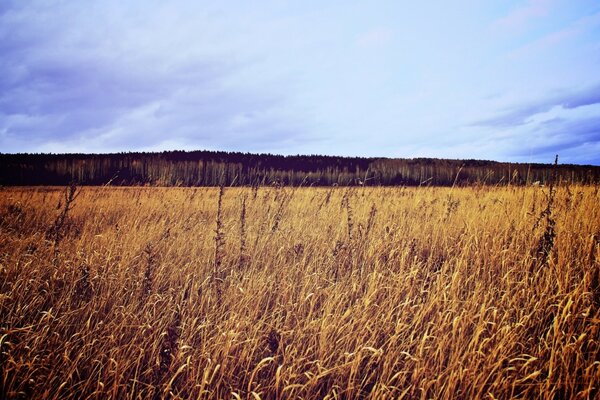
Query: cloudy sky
(502, 80)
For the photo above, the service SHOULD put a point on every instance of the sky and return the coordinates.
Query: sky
(503, 80)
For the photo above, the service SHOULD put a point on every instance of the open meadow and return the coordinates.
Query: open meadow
(280, 292)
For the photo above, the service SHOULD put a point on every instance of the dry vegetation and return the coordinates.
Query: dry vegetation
(300, 293)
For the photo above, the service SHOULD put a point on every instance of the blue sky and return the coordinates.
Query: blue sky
(502, 80)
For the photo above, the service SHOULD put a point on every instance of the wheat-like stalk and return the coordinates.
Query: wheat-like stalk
(376, 293)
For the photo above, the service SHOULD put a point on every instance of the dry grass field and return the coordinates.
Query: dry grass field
(480, 292)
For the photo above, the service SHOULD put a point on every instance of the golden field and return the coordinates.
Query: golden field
(479, 292)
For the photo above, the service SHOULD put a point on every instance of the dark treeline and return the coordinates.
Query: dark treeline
(213, 168)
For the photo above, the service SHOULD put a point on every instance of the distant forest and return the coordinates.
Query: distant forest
(214, 168)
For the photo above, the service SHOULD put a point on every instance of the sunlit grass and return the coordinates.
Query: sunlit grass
(299, 293)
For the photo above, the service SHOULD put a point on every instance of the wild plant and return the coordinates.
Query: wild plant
(219, 243)
(56, 232)
(242, 256)
(545, 243)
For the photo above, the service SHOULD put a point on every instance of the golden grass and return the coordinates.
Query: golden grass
(299, 293)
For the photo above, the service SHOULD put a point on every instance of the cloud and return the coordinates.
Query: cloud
(520, 114)
(66, 83)
(565, 123)
(377, 37)
(586, 25)
(521, 16)
(575, 138)
(585, 97)
(575, 141)
(289, 77)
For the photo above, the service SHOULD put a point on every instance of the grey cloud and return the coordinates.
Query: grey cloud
(583, 98)
(564, 137)
(52, 91)
(520, 114)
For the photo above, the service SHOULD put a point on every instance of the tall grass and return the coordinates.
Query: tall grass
(300, 293)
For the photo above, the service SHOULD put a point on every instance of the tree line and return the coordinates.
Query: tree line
(215, 168)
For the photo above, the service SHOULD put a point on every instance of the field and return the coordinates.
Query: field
(478, 292)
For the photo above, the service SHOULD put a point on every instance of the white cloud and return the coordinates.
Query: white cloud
(521, 16)
(377, 37)
(559, 37)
